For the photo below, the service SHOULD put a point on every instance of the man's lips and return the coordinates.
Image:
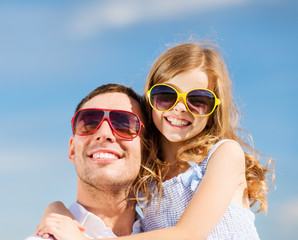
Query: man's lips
(104, 154)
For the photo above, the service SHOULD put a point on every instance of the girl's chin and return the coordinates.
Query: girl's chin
(175, 138)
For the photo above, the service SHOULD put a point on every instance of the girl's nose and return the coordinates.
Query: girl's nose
(180, 106)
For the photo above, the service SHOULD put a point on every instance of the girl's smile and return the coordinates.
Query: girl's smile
(177, 122)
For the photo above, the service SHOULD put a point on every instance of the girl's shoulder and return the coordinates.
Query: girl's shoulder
(224, 153)
(225, 148)
(226, 156)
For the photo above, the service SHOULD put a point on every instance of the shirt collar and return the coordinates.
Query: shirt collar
(95, 227)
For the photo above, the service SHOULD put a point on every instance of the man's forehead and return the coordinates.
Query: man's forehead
(114, 100)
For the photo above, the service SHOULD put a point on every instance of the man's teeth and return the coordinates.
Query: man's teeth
(177, 122)
(104, 156)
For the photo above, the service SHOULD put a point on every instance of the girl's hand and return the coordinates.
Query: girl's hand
(54, 207)
(62, 228)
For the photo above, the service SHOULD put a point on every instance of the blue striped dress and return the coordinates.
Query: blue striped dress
(237, 222)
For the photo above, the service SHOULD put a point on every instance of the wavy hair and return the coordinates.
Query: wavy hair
(222, 124)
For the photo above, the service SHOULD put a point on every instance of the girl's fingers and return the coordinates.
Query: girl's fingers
(81, 227)
(42, 232)
(46, 235)
(55, 224)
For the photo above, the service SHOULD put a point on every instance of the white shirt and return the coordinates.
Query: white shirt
(95, 227)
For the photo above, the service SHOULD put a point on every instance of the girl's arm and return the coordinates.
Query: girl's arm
(225, 173)
(223, 182)
(54, 207)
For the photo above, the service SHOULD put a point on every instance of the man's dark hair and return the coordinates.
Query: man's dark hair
(111, 88)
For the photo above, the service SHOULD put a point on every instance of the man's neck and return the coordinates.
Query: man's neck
(115, 210)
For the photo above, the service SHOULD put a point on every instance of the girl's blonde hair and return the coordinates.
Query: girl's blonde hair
(222, 124)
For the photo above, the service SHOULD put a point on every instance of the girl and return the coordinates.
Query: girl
(201, 182)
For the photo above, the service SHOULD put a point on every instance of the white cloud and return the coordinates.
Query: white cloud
(101, 15)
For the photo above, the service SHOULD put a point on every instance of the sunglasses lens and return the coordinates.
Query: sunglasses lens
(163, 97)
(87, 120)
(200, 102)
(126, 124)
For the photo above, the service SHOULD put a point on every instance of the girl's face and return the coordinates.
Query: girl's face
(179, 124)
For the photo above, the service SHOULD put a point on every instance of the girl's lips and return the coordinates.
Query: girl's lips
(177, 122)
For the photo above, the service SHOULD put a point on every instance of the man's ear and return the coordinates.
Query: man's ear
(71, 150)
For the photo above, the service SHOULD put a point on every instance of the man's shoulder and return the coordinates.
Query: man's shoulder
(34, 237)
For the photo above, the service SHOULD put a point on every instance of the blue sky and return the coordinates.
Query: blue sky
(52, 53)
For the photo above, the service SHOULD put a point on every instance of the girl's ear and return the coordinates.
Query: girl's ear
(71, 150)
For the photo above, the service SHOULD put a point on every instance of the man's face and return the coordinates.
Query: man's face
(103, 159)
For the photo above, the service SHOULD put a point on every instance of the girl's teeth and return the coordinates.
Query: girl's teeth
(104, 156)
(177, 122)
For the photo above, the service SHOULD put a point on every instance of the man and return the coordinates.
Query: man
(106, 149)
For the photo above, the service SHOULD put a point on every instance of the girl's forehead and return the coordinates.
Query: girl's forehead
(189, 80)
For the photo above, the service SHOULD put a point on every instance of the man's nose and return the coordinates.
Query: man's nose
(105, 132)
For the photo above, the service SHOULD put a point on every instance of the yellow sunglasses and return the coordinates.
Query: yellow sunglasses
(200, 102)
